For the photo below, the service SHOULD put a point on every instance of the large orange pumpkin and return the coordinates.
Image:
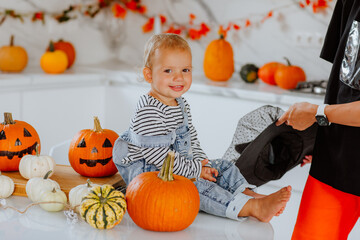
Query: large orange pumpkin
(17, 139)
(287, 77)
(54, 61)
(69, 50)
(13, 58)
(267, 72)
(219, 60)
(90, 152)
(162, 201)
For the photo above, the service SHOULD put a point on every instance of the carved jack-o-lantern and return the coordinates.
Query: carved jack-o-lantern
(17, 138)
(90, 152)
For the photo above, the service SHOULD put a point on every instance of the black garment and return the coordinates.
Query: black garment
(336, 158)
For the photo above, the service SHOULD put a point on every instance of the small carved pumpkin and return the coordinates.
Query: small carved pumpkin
(69, 50)
(35, 186)
(17, 138)
(77, 193)
(55, 195)
(219, 60)
(287, 77)
(13, 58)
(54, 61)
(90, 151)
(162, 201)
(35, 165)
(7, 186)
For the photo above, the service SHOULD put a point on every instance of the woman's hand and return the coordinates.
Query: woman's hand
(306, 160)
(208, 173)
(300, 116)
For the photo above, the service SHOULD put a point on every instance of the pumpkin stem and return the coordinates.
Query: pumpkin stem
(37, 150)
(222, 36)
(97, 126)
(88, 182)
(51, 46)
(8, 118)
(166, 172)
(12, 40)
(47, 174)
(287, 61)
(54, 190)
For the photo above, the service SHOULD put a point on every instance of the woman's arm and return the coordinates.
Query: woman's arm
(302, 115)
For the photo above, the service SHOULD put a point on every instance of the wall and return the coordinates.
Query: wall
(292, 31)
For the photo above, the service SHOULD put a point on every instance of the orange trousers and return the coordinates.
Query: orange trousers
(325, 213)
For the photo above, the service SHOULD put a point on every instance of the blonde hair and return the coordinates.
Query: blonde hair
(163, 41)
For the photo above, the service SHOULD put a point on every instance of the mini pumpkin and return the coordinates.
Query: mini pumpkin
(77, 193)
(35, 165)
(90, 151)
(287, 77)
(35, 186)
(13, 58)
(17, 139)
(267, 72)
(54, 61)
(55, 195)
(7, 186)
(249, 73)
(104, 207)
(162, 201)
(219, 60)
(68, 49)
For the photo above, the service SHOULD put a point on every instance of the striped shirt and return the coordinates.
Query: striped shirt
(153, 118)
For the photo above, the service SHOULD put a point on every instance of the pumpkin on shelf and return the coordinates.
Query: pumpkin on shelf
(249, 73)
(54, 61)
(17, 139)
(55, 195)
(288, 76)
(219, 60)
(35, 186)
(267, 72)
(77, 193)
(7, 186)
(68, 49)
(36, 165)
(162, 201)
(13, 58)
(104, 207)
(90, 151)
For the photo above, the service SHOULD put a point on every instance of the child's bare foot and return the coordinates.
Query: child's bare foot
(267, 207)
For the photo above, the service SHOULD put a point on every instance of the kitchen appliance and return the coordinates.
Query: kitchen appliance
(315, 87)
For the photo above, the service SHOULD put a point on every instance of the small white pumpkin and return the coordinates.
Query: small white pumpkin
(55, 195)
(77, 193)
(34, 186)
(36, 165)
(7, 186)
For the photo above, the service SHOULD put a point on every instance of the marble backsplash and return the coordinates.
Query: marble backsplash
(292, 32)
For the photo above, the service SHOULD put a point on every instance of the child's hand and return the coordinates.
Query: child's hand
(307, 159)
(208, 173)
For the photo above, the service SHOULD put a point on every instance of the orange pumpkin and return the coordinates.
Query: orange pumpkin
(69, 50)
(287, 77)
(13, 58)
(17, 139)
(219, 60)
(267, 72)
(162, 201)
(54, 61)
(90, 152)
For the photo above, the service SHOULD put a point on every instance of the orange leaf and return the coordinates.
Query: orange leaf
(236, 27)
(142, 9)
(194, 34)
(132, 5)
(162, 19)
(247, 23)
(118, 11)
(148, 26)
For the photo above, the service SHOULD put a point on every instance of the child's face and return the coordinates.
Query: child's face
(170, 75)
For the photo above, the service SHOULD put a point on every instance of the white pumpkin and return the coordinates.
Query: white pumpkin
(55, 195)
(36, 165)
(7, 186)
(77, 193)
(35, 186)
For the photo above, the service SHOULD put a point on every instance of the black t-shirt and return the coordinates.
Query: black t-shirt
(336, 157)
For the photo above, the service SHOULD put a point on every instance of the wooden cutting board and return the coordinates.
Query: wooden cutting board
(66, 177)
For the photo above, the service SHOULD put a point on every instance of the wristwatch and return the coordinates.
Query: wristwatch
(321, 117)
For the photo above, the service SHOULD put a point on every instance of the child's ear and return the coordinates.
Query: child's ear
(147, 74)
